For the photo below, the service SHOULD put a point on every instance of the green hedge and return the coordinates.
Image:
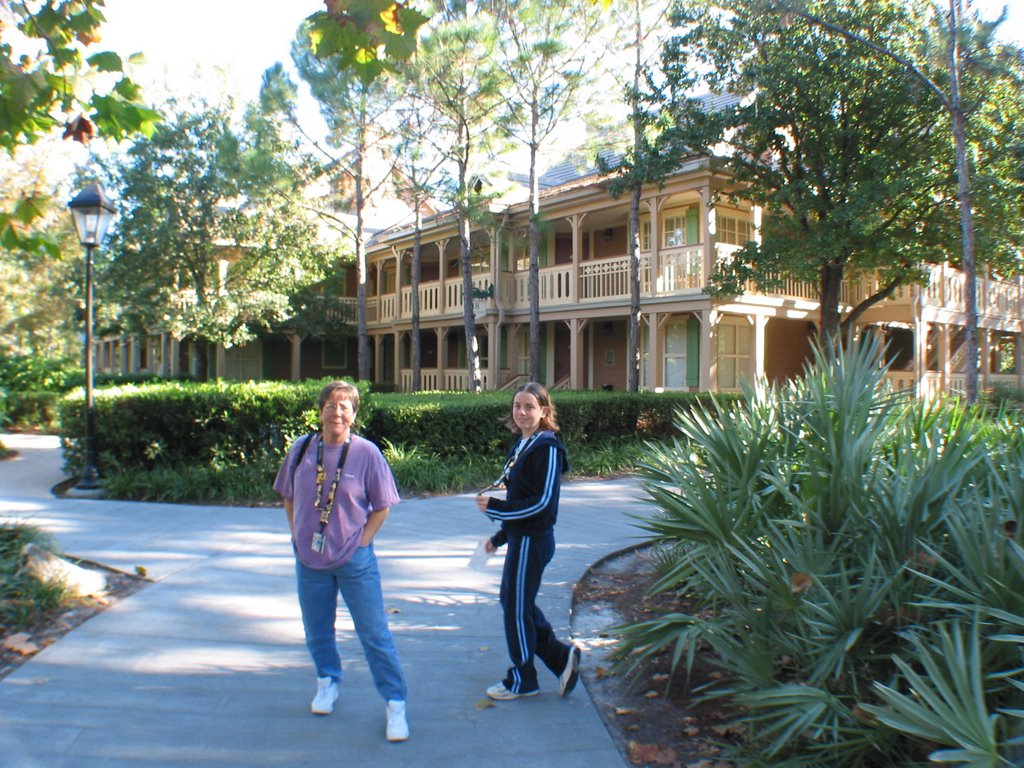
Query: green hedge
(31, 410)
(180, 424)
(183, 424)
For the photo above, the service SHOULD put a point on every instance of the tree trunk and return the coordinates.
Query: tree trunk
(830, 287)
(633, 349)
(363, 355)
(416, 246)
(963, 177)
(534, 281)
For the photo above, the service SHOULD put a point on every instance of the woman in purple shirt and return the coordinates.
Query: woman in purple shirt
(337, 490)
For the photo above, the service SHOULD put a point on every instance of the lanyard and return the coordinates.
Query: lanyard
(325, 510)
(520, 449)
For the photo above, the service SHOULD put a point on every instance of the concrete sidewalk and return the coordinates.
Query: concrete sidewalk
(207, 666)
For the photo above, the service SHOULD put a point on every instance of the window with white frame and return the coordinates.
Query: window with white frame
(734, 230)
(675, 231)
(675, 355)
(735, 342)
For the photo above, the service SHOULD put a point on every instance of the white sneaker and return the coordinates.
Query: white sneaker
(398, 728)
(571, 673)
(326, 695)
(499, 692)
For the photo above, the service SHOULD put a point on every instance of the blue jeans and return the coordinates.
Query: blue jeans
(358, 581)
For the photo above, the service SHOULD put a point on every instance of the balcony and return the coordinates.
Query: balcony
(681, 274)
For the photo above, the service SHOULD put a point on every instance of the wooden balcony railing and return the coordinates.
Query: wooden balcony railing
(680, 272)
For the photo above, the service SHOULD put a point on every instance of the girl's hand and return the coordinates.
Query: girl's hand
(481, 502)
(489, 547)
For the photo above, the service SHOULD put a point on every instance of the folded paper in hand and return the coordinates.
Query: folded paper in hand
(478, 562)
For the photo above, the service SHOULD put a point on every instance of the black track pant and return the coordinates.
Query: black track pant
(527, 632)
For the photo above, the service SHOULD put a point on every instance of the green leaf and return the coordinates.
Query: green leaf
(106, 61)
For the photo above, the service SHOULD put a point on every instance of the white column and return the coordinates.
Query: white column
(760, 322)
(921, 357)
(708, 367)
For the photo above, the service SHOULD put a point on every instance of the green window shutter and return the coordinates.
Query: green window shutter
(693, 352)
(692, 226)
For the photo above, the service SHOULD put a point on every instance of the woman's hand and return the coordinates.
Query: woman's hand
(489, 547)
(481, 502)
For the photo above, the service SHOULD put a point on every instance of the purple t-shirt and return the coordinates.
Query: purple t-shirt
(366, 485)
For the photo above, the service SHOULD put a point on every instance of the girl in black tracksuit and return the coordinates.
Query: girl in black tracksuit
(532, 477)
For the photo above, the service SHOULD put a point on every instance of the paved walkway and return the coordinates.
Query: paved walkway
(207, 666)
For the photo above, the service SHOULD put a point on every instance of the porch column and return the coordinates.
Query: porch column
(921, 358)
(493, 352)
(655, 371)
(173, 356)
(513, 347)
(985, 353)
(377, 368)
(654, 206)
(708, 367)
(161, 369)
(296, 347)
(442, 334)
(397, 360)
(945, 358)
(576, 328)
(707, 219)
(1018, 358)
(576, 222)
(219, 365)
(760, 323)
(442, 276)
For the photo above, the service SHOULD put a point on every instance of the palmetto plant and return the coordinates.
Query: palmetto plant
(855, 560)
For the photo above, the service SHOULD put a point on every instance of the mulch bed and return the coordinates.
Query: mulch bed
(654, 719)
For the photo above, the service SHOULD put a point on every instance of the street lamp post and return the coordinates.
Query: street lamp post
(92, 211)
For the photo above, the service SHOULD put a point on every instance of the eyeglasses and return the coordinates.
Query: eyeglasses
(339, 407)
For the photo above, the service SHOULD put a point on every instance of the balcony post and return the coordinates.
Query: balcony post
(921, 355)
(654, 207)
(708, 368)
(576, 222)
(442, 274)
(706, 212)
(945, 358)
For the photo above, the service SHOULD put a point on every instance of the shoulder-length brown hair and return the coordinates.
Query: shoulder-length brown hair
(549, 421)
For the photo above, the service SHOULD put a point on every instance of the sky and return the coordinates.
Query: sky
(229, 43)
(244, 37)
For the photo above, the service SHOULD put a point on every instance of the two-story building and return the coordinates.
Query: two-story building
(688, 339)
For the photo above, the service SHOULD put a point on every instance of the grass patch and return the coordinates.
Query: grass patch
(24, 601)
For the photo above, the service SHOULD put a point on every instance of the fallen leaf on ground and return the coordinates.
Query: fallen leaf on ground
(651, 695)
(21, 642)
(650, 753)
(483, 704)
(660, 678)
(624, 711)
(601, 673)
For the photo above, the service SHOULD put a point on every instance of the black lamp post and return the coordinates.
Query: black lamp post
(92, 211)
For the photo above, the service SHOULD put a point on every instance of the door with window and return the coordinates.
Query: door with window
(735, 353)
